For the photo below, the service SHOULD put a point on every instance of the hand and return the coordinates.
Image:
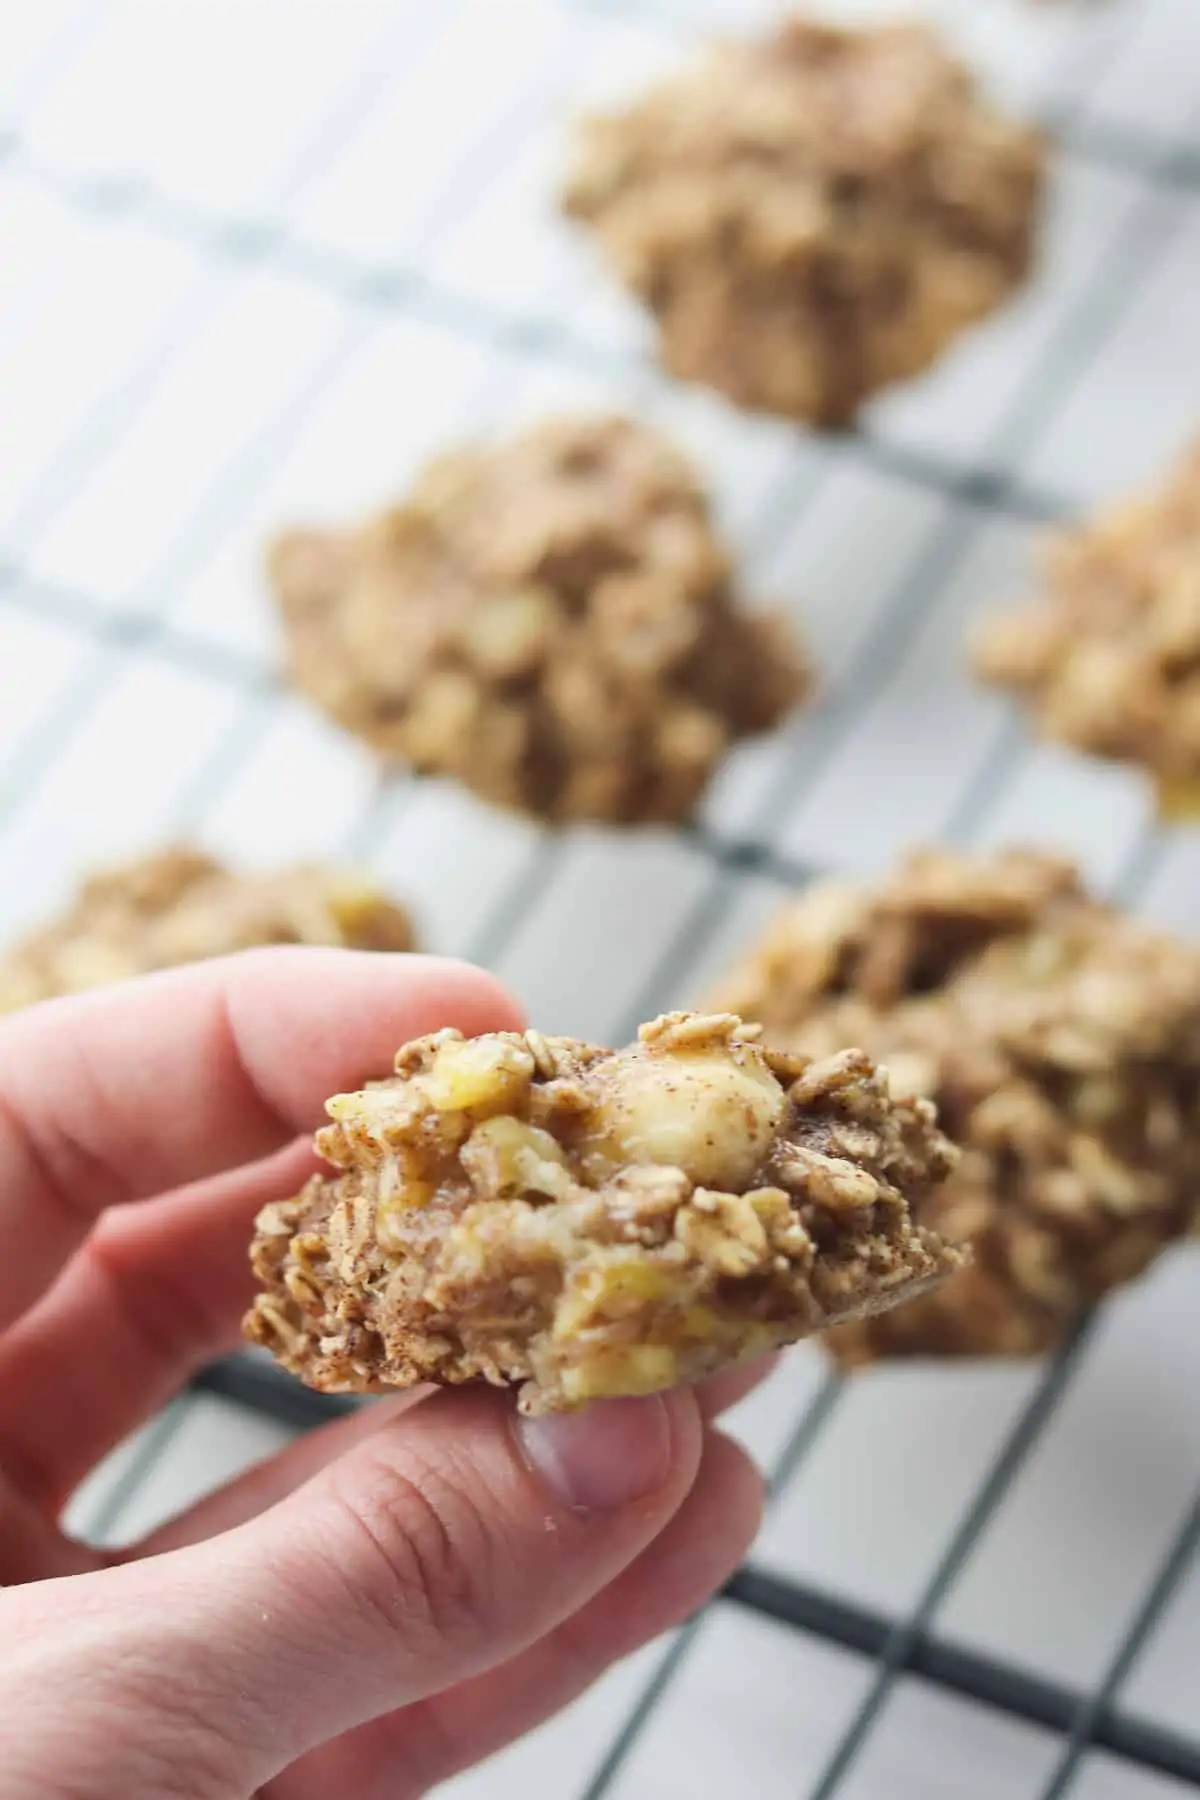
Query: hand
(392, 1597)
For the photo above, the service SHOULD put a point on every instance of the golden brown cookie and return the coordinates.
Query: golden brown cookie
(1109, 659)
(814, 214)
(1060, 1042)
(581, 1222)
(552, 622)
(180, 906)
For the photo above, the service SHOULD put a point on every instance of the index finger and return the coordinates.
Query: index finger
(108, 1097)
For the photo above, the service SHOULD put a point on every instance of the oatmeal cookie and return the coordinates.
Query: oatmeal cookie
(180, 906)
(1060, 1042)
(1109, 661)
(812, 215)
(551, 621)
(581, 1222)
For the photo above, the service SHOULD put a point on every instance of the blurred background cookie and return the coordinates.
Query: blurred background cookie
(1060, 1042)
(179, 906)
(552, 621)
(1109, 659)
(814, 214)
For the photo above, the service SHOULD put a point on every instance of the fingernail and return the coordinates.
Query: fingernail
(610, 1453)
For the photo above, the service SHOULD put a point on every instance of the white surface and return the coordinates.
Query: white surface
(101, 793)
(1057, 1577)
(165, 465)
(937, 1432)
(766, 1734)
(1163, 1682)
(638, 892)
(941, 1748)
(174, 389)
(1151, 88)
(38, 662)
(913, 709)
(1074, 804)
(1103, 1778)
(1155, 397)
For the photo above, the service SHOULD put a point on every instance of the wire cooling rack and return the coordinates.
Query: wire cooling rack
(257, 260)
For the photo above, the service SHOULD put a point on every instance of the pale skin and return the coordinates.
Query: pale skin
(389, 1599)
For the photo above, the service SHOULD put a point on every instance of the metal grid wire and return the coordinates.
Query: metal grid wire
(952, 501)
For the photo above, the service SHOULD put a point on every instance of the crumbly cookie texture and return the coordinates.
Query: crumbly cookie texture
(1110, 660)
(582, 1222)
(180, 906)
(1061, 1044)
(551, 621)
(812, 215)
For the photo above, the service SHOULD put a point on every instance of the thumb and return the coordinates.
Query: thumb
(435, 1549)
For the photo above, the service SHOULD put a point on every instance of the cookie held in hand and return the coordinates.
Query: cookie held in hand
(580, 1222)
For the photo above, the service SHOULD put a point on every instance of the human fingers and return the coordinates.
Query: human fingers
(407, 1753)
(129, 1091)
(32, 1548)
(272, 1480)
(279, 1475)
(438, 1548)
(154, 1292)
(268, 1482)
